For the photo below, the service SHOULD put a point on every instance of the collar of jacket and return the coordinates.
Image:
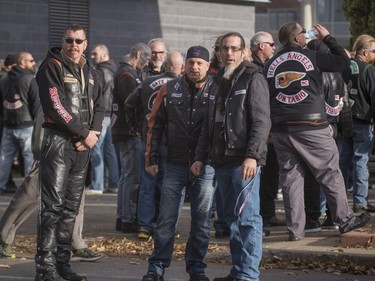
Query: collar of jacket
(197, 85)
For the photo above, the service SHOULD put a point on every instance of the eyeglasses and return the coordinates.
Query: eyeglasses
(232, 48)
(216, 48)
(69, 40)
(371, 51)
(269, 43)
(157, 53)
(302, 31)
(30, 60)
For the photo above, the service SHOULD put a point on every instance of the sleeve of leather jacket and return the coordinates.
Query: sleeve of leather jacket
(132, 102)
(99, 107)
(156, 124)
(52, 97)
(201, 151)
(337, 61)
(34, 100)
(126, 85)
(368, 82)
(259, 117)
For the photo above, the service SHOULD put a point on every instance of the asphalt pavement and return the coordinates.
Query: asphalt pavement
(100, 218)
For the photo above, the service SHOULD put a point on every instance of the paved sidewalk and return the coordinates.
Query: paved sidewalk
(100, 213)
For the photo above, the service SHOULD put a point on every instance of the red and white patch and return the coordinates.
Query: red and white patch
(58, 106)
(292, 99)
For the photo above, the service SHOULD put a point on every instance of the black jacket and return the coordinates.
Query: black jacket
(246, 119)
(294, 76)
(19, 98)
(333, 86)
(105, 72)
(178, 111)
(360, 78)
(142, 99)
(66, 107)
(125, 81)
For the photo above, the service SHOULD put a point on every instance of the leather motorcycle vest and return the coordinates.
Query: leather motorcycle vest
(296, 93)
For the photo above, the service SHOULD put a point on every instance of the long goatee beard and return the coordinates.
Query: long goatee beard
(228, 71)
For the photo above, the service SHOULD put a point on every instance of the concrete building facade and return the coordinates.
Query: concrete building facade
(37, 25)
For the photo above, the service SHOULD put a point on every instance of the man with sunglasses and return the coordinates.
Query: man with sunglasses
(357, 149)
(300, 131)
(234, 141)
(19, 99)
(73, 115)
(263, 47)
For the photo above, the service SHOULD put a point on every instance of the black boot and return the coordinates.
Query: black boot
(67, 273)
(49, 276)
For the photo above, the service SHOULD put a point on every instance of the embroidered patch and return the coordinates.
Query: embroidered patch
(292, 99)
(58, 106)
(284, 79)
(70, 80)
(176, 95)
(240, 92)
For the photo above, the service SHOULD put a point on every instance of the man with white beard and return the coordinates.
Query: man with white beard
(234, 141)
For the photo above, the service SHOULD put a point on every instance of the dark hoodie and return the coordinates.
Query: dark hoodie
(19, 98)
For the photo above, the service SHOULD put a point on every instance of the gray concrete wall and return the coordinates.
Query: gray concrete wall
(24, 27)
(122, 23)
(187, 23)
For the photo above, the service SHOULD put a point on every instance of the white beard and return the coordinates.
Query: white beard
(228, 71)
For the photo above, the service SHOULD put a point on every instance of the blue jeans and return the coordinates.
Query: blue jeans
(127, 196)
(13, 140)
(245, 227)
(104, 153)
(176, 178)
(148, 190)
(357, 150)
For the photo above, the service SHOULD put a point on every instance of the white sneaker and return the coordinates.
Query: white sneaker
(279, 195)
(93, 191)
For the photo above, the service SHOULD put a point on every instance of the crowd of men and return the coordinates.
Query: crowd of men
(229, 132)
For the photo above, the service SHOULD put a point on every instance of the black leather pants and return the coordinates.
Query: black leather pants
(61, 183)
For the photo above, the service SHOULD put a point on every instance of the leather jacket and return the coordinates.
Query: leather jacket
(295, 81)
(246, 118)
(361, 85)
(68, 107)
(178, 111)
(125, 81)
(19, 98)
(142, 99)
(106, 71)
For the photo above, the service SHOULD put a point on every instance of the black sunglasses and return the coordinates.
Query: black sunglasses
(302, 31)
(71, 40)
(269, 43)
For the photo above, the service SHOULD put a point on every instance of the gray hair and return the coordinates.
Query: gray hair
(259, 37)
(139, 47)
(288, 32)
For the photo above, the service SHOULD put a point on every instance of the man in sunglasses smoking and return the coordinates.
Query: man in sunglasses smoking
(73, 112)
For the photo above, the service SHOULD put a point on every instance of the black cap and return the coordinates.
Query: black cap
(198, 52)
(11, 59)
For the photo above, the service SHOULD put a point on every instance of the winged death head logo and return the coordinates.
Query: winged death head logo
(284, 79)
